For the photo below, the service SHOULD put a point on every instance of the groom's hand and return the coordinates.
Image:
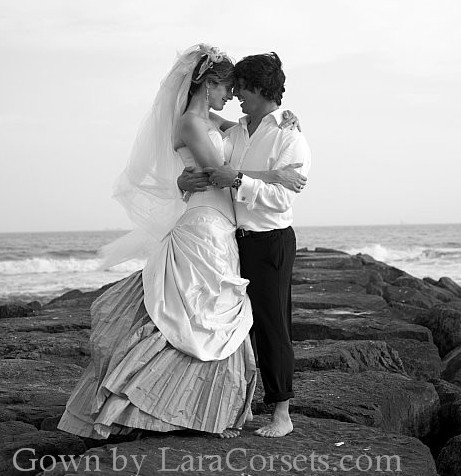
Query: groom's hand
(191, 181)
(222, 176)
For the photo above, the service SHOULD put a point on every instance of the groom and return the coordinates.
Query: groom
(266, 240)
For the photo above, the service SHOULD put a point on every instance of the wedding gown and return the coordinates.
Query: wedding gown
(169, 344)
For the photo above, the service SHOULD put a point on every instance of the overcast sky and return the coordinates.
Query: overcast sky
(375, 83)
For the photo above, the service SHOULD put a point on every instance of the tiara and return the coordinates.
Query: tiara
(214, 55)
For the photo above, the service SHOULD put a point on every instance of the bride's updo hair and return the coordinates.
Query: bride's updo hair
(218, 73)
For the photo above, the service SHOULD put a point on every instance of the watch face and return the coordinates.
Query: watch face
(236, 183)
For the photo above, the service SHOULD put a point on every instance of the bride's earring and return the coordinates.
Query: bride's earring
(207, 95)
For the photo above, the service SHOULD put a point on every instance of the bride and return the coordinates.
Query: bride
(170, 345)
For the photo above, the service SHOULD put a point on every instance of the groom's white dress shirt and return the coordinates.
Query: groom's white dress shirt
(261, 206)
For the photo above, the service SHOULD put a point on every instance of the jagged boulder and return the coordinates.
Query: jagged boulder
(344, 324)
(449, 414)
(450, 285)
(16, 309)
(34, 390)
(347, 356)
(421, 360)
(62, 347)
(445, 324)
(389, 401)
(449, 459)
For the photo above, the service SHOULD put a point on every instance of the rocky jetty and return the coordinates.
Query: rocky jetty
(377, 380)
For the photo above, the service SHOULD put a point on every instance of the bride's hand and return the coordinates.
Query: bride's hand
(289, 120)
(289, 178)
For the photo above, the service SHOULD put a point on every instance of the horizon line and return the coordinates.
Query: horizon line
(403, 224)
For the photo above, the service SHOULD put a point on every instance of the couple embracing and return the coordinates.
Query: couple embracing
(212, 201)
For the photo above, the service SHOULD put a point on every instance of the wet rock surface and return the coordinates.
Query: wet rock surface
(369, 379)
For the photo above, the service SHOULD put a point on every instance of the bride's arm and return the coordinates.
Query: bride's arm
(220, 122)
(194, 133)
(288, 120)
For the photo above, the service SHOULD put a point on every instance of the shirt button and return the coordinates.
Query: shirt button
(244, 198)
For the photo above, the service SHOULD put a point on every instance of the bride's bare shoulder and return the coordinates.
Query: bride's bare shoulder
(190, 117)
(192, 128)
(192, 123)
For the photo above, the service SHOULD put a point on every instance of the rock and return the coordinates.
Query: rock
(70, 295)
(347, 356)
(50, 423)
(9, 430)
(359, 447)
(452, 363)
(15, 310)
(375, 290)
(304, 297)
(409, 296)
(448, 393)
(337, 261)
(449, 413)
(317, 276)
(6, 415)
(449, 459)
(49, 321)
(391, 402)
(319, 249)
(34, 390)
(429, 280)
(329, 287)
(30, 447)
(69, 347)
(77, 297)
(409, 282)
(421, 360)
(409, 313)
(445, 325)
(354, 362)
(375, 283)
(388, 273)
(368, 260)
(353, 325)
(450, 285)
(35, 305)
(425, 287)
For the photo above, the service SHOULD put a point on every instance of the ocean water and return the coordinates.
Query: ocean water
(41, 266)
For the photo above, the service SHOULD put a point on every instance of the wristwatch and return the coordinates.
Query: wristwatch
(237, 181)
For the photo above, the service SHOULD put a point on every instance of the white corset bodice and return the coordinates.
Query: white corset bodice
(219, 199)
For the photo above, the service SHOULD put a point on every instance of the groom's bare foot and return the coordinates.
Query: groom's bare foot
(277, 428)
(230, 433)
(280, 425)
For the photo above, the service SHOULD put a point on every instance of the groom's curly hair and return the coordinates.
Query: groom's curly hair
(263, 72)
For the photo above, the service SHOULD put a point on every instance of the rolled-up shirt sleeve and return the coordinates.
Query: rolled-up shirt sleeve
(255, 193)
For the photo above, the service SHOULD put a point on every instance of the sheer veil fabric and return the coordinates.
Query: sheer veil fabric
(147, 187)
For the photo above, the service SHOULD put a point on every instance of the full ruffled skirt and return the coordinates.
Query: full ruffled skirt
(137, 379)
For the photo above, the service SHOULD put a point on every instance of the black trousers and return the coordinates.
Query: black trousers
(266, 259)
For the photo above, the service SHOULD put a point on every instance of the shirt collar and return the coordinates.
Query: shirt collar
(275, 115)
